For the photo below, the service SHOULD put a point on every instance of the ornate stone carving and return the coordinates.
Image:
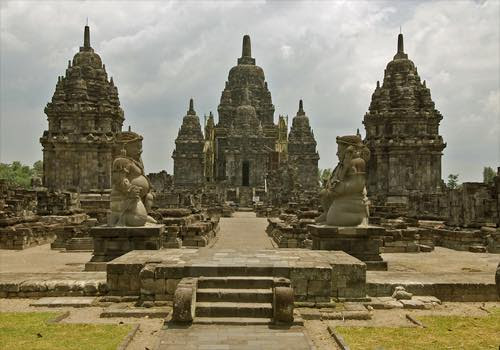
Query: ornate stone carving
(131, 196)
(344, 198)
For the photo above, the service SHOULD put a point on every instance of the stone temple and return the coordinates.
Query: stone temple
(84, 116)
(402, 133)
(238, 152)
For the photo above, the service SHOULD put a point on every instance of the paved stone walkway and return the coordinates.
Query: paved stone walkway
(243, 231)
(200, 337)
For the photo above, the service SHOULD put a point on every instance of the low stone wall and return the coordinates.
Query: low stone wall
(290, 230)
(22, 236)
(408, 240)
(53, 288)
(485, 239)
(70, 227)
(195, 230)
(461, 292)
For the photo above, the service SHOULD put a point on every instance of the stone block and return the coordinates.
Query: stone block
(319, 288)
(283, 303)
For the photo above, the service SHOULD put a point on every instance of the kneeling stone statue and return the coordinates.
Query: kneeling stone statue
(131, 196)
(344, 198)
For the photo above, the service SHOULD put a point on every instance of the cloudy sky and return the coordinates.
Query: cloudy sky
(329, 53)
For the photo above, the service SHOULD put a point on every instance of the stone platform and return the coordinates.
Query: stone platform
(362, 242)
(112, 242)
(316, 276)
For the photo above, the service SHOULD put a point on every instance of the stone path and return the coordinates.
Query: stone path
(199, 337)
(243, 231)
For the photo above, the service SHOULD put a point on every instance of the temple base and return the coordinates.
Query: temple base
(112, 242)
(362, 242)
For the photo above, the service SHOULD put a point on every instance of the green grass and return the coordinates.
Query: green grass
(20, 331)
(442, 332)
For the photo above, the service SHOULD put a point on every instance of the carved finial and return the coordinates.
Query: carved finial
(69, 63)
(301, 108)
(129, 128)
(357, 132)
(86, 37)
(400, 43)
(247, 47)
(210, 115)
(378, 84)
(424, 84)
(191, 107)
(111, 81)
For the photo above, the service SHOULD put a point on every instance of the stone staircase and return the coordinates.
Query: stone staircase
(245, 197)
(234, 299)
(238, 300)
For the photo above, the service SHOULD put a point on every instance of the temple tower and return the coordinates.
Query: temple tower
(84, 116)
(302, 152)
(189, 162)
(244, 78)
(402, 133)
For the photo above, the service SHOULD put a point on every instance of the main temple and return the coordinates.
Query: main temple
(238, 153)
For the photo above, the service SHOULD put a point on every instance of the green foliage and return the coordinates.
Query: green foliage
(488, 175)
(452, 181)
(30, 330)
(324, 175)
(19, 174)
(442, 332)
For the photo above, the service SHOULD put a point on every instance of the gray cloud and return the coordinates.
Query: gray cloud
(329, 53)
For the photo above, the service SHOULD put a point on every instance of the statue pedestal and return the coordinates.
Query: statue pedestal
(361, 242)
(112, 242)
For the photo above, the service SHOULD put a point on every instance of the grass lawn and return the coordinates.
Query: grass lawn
(442, 332)
(20, 331)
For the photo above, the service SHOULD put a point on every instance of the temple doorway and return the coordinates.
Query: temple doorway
(245, 176)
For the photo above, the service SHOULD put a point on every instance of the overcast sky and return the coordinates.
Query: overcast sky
(329, 53)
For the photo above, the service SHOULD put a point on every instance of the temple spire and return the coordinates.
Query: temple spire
(400, 54)
(247, 47)
(86, 37)
(246, 52)
(301, 108)
(191, 108)
(400, 43)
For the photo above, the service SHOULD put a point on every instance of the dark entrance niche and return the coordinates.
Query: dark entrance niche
(245, 173)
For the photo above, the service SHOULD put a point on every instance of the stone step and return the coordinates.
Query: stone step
(236, 282)
(242, 321)
(80, 244)
(235, 295)
(227, 309)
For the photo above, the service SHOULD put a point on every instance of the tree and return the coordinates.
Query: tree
(488, 175)
(452, 181)
(324, 175)
(38, 168)
(20, 175)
